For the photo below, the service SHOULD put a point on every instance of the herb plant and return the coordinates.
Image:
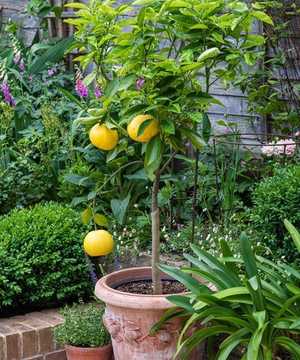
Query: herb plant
(82, 327)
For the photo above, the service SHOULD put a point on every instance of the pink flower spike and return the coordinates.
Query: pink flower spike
(81, 89)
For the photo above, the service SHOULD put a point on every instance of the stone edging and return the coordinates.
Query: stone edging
(30, 337)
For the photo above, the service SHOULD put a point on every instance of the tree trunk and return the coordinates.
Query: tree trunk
(156, 281)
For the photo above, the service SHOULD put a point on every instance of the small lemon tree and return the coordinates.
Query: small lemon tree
(155, 62)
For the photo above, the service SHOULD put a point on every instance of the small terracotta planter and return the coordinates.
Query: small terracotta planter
(79, 353)
(129, 318)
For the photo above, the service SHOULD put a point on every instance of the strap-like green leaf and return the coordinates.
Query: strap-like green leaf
(230, 343)
(294, 233)
(289, 345)
(192, 284)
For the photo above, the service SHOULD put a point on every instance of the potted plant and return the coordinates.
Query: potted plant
(83, 333)
(155, 62)
(253, 312)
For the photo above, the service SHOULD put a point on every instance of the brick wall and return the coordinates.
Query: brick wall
(30, 337)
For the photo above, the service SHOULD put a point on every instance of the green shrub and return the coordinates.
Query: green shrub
(83, 327)
(41, 257)
(275, 199)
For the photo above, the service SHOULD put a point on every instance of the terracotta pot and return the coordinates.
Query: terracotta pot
(79, 353)
(129, 317)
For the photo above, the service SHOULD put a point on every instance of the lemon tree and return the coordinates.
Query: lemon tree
(156, 69)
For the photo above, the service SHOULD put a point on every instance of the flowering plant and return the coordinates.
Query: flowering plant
(286, 147)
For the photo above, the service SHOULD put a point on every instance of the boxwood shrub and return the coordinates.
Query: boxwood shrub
(41, 257)
(275, 199)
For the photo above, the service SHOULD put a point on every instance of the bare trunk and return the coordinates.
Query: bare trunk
(156, 281)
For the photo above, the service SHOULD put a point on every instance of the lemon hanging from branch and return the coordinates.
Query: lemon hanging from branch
(143, 128)
(103, 138)
(98, 243)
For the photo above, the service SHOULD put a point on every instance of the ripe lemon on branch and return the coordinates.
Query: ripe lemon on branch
(151, 128)
(98, 243)
(103, 138)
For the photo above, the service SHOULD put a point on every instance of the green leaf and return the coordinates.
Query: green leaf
(289, 344)
(71, 97)
(248, 256)
(139, 175)
(53, 55)
(209, 54)
(153, 157)
(168, 126)
(262, 16)
(119, 208)
(294, 233)
(89, 78)
(206, 128)
(253, 40)
(86, 215)
(101, 220)
(255, 343)
(143, 126)
(199, 26)
(182, 302)
(168, 315)
(117, 85)
(76, 5)
(230, 343)
(190, 283)
(193, 137)
(199, 336)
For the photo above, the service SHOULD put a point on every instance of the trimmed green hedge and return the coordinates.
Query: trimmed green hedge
(275, 199)
(41, 257)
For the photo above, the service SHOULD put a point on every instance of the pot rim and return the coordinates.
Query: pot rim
(105, 292)
(84, 349)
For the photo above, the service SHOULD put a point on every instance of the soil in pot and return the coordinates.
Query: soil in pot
(144, 287)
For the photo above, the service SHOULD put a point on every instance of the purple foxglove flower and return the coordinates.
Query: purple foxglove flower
(22, 65)
(98, 92)
(81, 89)
(51, 71)
(140, 83)
(8, 98)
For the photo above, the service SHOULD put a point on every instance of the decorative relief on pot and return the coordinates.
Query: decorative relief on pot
(131, 333)
(113, 327)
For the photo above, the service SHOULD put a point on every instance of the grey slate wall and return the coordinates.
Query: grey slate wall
(15, 10)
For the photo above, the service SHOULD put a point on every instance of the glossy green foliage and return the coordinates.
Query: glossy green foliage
(41, 256)
(160, 58)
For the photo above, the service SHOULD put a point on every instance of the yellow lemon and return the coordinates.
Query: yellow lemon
(150, 131)
(98, 243)
(103, 138)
